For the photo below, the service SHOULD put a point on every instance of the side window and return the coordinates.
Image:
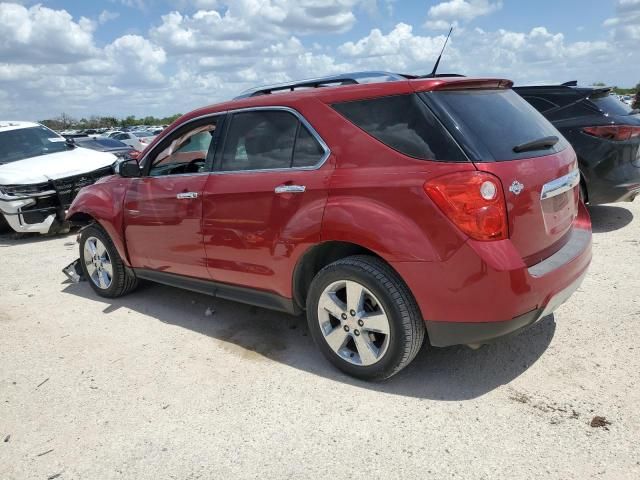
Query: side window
(308, 152)
(404, 123)
(259, 140)
(187, 152)
(122, 136)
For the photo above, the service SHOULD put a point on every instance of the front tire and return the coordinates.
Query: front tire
(102, 266)
(363, 318)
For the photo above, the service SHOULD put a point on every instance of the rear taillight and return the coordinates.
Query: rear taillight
(614, 132)
(474, 201)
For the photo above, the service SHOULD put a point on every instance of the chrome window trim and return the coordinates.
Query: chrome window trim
(298, 115)
(560, 185)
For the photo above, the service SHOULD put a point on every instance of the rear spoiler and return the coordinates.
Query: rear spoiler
(463, 83)
(599, 92)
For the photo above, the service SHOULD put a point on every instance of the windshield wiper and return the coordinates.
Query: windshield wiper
(539, 144)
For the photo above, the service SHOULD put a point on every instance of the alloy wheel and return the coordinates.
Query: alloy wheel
(98, 263)
(353, 322)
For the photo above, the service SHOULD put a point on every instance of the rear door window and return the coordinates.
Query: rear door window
(267, 140)
(490, 123)
(404, 123)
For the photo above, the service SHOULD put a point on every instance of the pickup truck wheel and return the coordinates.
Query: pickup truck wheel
(363, 318)
(102, 266)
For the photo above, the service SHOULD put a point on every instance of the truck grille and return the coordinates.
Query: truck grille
(68, 188)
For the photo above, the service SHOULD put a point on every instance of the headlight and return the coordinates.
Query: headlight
(19, 191)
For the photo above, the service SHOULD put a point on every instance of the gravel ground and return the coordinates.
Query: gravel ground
(150, 387)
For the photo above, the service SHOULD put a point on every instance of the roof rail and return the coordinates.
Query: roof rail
(342, 79)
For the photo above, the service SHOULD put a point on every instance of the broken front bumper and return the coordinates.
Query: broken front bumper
(44, 211)
(25, 216)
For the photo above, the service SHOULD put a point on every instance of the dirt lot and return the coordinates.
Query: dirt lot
(149, 386)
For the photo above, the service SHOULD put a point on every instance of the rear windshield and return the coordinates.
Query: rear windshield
(404, 123)
(611, 105)
(29, 142)
(489, 124)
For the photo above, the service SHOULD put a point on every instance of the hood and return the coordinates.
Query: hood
(54, 166)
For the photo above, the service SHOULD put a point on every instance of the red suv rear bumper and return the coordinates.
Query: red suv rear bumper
(484, 290)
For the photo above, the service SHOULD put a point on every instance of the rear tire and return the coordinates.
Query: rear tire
(102, 266)
(363, 318)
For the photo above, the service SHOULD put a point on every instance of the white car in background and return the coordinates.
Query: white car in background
(41, 173)
(137, 139)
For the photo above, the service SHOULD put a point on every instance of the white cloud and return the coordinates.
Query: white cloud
(106, 16)
(42, 35)
(453, 12)
(213, 49)
(625, 26)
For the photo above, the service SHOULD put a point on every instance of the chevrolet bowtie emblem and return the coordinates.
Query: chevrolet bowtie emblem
(516, 187)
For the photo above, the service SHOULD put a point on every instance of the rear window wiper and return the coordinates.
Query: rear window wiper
(539, 144)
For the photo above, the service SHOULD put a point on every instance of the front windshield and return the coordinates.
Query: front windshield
(29, 142)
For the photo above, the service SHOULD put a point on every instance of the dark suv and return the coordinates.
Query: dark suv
(386, 210)
(604, 132)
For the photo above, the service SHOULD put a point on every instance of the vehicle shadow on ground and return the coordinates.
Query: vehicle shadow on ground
(449, 374)
(607, 218)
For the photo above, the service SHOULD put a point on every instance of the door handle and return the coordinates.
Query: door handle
(290, 189)
(186, 195)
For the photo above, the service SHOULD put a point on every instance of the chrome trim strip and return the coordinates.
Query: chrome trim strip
(560, 185)
(298, 115)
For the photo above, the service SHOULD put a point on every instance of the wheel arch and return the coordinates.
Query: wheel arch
(316, 258)
(98, 204)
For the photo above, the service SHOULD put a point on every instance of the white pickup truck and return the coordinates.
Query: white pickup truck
(40, 175)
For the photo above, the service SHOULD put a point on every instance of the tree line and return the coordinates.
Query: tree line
(66, 122)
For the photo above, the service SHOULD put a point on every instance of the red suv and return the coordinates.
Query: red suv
(385, 210)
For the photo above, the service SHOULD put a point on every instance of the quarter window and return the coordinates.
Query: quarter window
(404, 123)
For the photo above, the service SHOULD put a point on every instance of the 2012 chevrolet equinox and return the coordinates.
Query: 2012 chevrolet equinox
(387, 210)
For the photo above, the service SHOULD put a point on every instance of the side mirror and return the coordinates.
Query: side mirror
(70, 142)
(128, 168)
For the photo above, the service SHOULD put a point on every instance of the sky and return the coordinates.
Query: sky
(160, 57)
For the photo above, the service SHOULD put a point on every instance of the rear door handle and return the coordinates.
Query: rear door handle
(290, 189)
(186, 195)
